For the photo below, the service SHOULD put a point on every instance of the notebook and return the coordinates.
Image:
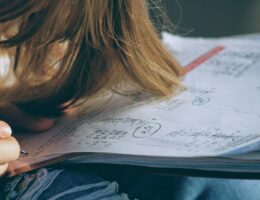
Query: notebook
(212, 124)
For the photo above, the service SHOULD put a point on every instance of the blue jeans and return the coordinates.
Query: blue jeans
(66, 183)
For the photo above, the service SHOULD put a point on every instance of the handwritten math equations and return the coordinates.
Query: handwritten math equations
(217, 114)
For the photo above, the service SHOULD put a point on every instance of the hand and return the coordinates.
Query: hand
(9, 147)
(19, 119)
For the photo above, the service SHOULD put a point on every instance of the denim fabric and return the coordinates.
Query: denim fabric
(63, 184)
(60, 184)
(162, 187)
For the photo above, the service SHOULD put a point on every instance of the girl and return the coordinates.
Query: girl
(63, 52)
(59, 54)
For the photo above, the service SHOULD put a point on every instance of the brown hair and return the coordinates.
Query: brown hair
(66, 50)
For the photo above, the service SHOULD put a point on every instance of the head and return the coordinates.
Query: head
(64, 51)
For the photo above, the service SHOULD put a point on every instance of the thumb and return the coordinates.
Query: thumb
(3, 169)
(5, 130)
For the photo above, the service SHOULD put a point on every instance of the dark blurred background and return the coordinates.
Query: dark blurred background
(213, 18)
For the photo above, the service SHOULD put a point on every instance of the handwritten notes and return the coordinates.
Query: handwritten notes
(209, 138)
(105, 133)
(218, 113)
(233, 62)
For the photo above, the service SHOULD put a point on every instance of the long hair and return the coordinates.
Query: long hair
(66, 50)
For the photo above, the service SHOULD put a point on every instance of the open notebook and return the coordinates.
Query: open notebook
(212, 125)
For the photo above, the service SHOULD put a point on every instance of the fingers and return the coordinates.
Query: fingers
(5, 130)
(10, 150)
(17, 167)
(17, 118)
(3, 169)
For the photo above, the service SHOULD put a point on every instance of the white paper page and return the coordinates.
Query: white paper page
(255, 37)
(156, 131)
(186, 49)
(219, 113)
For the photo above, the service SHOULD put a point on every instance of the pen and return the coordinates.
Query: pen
(24, 152)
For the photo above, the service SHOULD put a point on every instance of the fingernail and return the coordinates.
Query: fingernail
(5, 130)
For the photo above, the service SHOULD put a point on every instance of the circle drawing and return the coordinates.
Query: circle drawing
(146, 130)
